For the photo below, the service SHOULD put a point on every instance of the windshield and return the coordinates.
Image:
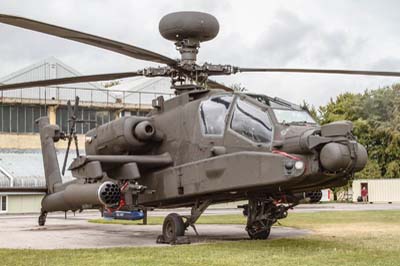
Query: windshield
(286, 116)
(213, 112)
(251, 122)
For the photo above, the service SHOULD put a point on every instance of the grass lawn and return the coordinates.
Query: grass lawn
(340, 238)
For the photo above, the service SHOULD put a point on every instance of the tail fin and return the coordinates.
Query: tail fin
(48, 135)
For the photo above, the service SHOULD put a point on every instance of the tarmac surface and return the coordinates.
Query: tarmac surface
(21, 231)
(76, 232)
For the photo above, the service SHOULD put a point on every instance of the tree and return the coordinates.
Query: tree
(371, 171)
(311, 109)
(376, 118)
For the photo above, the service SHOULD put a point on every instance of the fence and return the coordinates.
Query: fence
(61, 94)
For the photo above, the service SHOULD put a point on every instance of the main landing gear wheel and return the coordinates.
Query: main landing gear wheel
(261, 215)
(257, 231)
(173, 228)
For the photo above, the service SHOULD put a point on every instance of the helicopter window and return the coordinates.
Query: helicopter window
(251, 122)
(287, 116)
(213, 112)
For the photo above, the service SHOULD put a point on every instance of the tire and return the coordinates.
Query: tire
(257, 234)
(173, 227)
(42, 220)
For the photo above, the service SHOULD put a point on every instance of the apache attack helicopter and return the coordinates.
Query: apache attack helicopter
(207, 145)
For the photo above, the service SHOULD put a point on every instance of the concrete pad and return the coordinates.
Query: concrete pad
(76, 232)
(21, 231)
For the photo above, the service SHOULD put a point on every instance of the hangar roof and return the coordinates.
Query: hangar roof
(25, 168)
(50, 68)
(135, 90)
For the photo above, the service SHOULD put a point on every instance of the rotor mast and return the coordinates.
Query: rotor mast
(187, 30)
(188, 49)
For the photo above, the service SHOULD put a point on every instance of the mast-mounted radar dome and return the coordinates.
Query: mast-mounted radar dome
(187, 29)
(179, 26)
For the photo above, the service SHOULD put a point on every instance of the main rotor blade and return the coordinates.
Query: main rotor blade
(69, 80)
(215, 85)
(322, 71)
(111, 45)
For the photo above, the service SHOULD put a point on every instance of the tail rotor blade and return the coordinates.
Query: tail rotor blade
(74, 128)
(66, 156)
(72, 117)
(76, 107)
(69, 113)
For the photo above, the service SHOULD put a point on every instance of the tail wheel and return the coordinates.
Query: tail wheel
(42, 219)
(173, 227)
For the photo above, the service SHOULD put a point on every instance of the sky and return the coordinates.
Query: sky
(343, 34)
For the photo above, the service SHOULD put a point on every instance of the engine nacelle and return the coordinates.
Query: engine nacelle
(130, 134)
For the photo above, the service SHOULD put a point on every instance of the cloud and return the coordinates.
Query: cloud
(285, 39)
(389, 63)
(329, 34)
(291, 39)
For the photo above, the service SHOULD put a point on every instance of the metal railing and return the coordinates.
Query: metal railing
(61, 94)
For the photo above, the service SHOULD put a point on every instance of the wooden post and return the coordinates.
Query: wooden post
(145, 216)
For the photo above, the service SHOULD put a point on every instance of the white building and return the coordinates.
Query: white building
(23, 169)
(379, 190)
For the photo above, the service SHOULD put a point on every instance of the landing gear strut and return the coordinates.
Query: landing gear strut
(261, 215)
(174, 227)
(42, 218)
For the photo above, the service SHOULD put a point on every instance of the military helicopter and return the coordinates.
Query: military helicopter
(207, 145)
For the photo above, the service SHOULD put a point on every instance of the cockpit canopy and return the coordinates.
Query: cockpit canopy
(289, 116)
(251, 122)
(247, 119)
(286, 112)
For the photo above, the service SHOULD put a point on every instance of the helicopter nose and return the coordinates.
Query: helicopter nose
(336, 157)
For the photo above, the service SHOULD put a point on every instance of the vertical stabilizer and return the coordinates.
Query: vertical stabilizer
(48, 135)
